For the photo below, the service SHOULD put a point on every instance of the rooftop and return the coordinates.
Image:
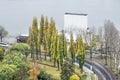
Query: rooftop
(76, 14)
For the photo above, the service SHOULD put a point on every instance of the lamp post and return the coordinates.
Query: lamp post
(110, 50)
(1, 35)
(90, 42)
(90, 45)
(117, 65)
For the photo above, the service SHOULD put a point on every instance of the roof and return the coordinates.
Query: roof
(24, 35)
(76, 14)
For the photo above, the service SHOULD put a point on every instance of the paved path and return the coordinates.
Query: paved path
(108, 75)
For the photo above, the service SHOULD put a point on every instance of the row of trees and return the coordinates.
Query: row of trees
(109, 39)
(45, 40)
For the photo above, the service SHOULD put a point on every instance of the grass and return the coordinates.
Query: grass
(92, 76)
(50, 70)
(47, 66)
(84, 77)
(54, 71)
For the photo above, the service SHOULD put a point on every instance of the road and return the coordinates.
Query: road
(101, 71)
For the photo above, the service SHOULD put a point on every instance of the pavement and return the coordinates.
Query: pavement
(106, 74)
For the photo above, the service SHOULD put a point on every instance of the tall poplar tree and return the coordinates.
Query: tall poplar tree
(72, 49)
(63, 48)
(42, 29)
(54, 48)
(31, 42)
(35, 35)
(51, 34)
(58, 57)
(45, 36)
(80, 52)
(63, 44)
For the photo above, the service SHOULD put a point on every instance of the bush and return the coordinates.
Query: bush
(74, 77)
(44, 76)
(22, 48)
(1, 53)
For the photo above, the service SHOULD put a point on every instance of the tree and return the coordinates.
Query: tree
(3, 32)
(90, 39)
(45, 36)
(59, 53)
(34, 36)
(31, 42)
(101, 40)
(63, 47)
(54, 46)
(64, 44)
(21, 66)
(67, 69)
(21, 47)
(111, 36)
(72, 49)
(45, 76)
(42, 29)
(7, 71)
(80, 52)
(34, 71)
(1, 53)
(51, 34)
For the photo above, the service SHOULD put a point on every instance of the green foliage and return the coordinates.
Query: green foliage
(80, 52)
(63, 44)
(21, 47)
(42, 29)
(1, 53)
(33, 37)
(42, 38)
(51, 36)
(45, 39)
(54, 48)
(15, 58)
(3, 32)
(72, 48)
(7, 71)
(62, 47)
(44, 76)
(67, 69)
(74, 77)
(84, 77)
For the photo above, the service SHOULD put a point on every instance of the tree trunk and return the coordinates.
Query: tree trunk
(1, 38)
(106, 55)
(58, 65)
(101, 52)
(90, 53)
(45, 56)
(54, 62)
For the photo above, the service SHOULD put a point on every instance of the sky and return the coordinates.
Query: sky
(16, 15)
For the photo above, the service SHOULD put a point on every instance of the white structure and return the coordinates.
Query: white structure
(74, 23)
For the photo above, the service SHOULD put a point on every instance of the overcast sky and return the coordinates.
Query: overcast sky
(16, 15)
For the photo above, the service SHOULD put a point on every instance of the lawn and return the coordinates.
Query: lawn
(47, 66)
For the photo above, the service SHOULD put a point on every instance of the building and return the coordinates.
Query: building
(22, 38)
(75, 23)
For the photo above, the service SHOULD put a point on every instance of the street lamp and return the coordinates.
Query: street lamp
(90, 42)
(90, 45)
(118, 65)
(1, 35)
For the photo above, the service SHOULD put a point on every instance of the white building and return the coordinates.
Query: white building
(75, 23)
